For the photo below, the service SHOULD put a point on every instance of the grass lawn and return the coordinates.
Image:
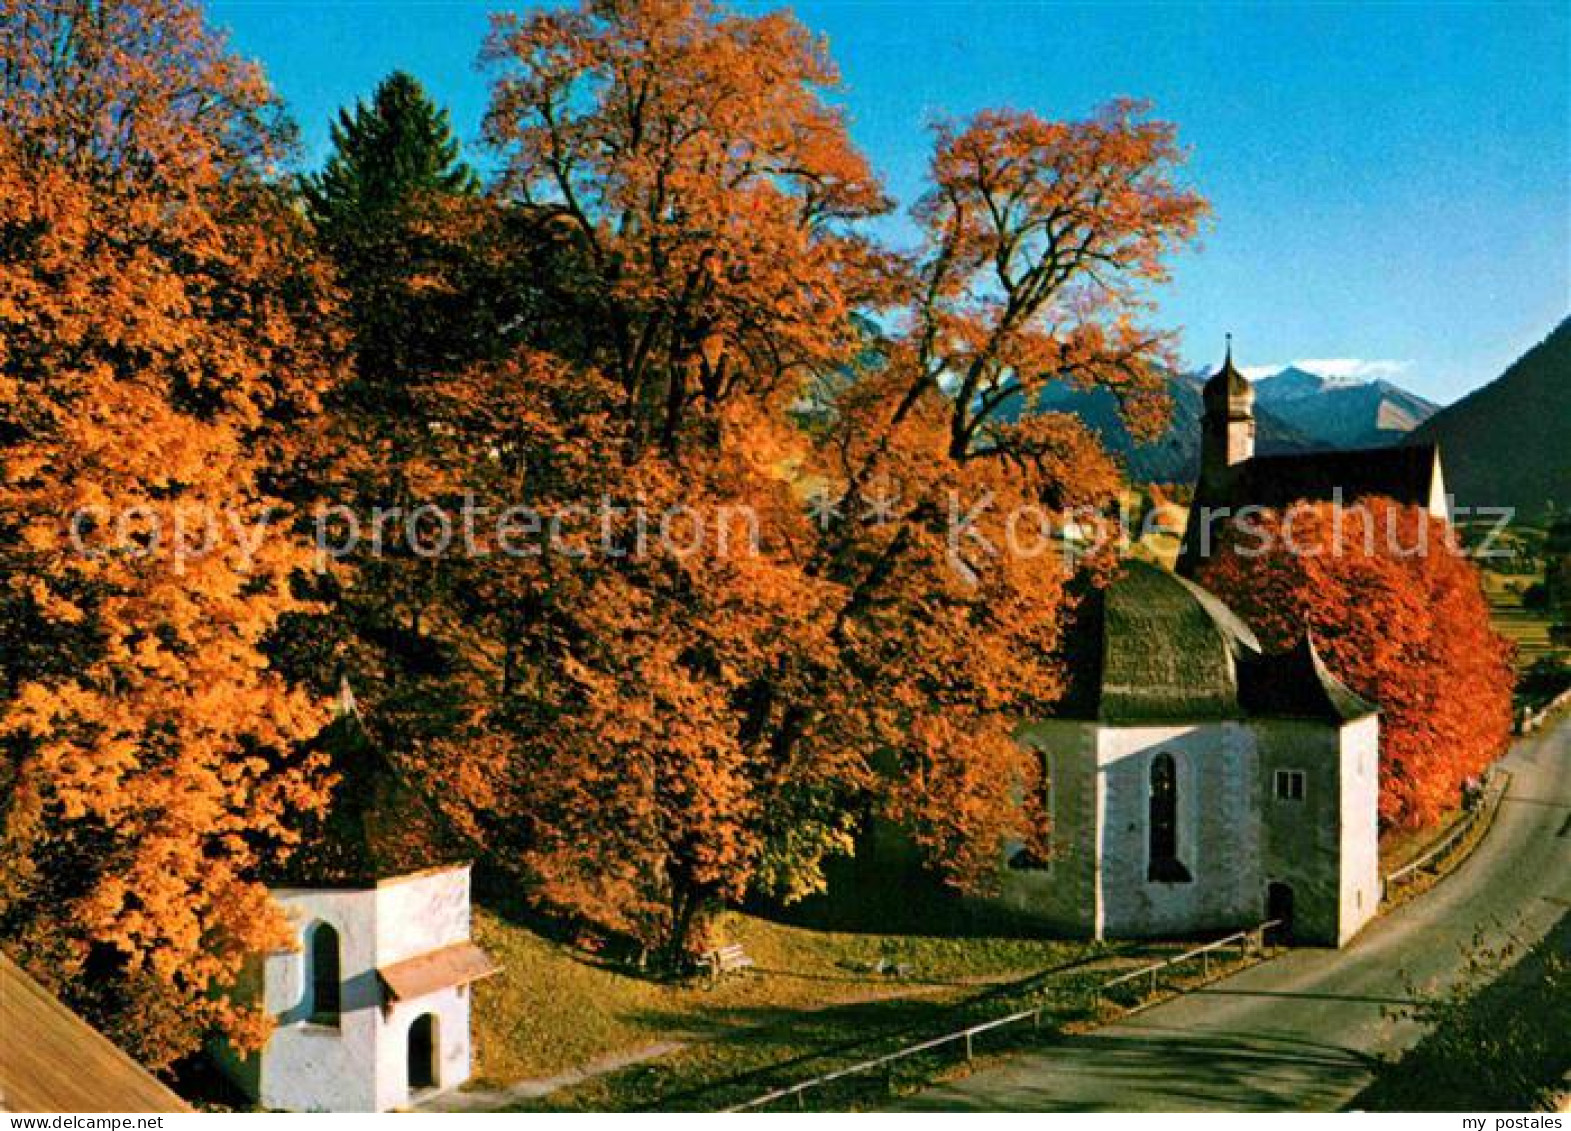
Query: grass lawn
(1400, 847)
(554, 1008)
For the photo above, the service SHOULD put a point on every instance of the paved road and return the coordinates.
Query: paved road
(1298, 1033)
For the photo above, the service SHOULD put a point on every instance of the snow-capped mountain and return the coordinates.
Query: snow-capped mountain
(1342, 412)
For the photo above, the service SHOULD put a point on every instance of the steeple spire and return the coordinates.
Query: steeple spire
(1228, 427)
(1228, 389)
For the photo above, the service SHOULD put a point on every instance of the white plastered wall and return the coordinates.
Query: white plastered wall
(361, 1064)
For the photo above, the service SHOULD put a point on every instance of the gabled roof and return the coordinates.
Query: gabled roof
(53, 1061)
(1405, 473)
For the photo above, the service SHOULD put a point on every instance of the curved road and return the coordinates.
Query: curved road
(1298, 1033)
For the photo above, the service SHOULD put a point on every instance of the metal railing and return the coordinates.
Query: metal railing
(1458, 833)
(967, 1035)
(1531, 719)
(1247, 940)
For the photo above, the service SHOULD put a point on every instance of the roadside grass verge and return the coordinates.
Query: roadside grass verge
(1427, 877)
(763, 1050)
(1400, 847)
(1498, 1046)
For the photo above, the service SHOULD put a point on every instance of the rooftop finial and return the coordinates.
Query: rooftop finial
(1229, 360)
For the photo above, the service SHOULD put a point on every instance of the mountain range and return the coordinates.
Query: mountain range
(1340, 412)
(1509, 443)
(1295, 411)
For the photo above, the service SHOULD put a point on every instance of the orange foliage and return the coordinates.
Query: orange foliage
(1037, 237)
(152, 287)
(652, 733)
(643, 731)
(1409, 631)
(708, 186)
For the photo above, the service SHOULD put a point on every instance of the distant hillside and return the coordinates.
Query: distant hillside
(1509, 443)
(1342, 413)
(1175, 458)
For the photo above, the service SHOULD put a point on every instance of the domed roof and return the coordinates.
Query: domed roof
(1227, 386)
(1155, 648)
(1162, 649)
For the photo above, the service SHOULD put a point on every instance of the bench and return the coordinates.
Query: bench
(723, 960)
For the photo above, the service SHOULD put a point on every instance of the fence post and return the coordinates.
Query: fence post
(1205, 964)
(968, 1044)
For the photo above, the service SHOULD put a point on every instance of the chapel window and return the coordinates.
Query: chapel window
(326, 975)
(1290, 785)
(1165, 866)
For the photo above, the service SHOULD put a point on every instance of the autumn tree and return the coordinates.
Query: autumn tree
(677, 729)
(648, 730)
(161, 346)
(1039, 239)
(1400, 616)
(701, 266)
(710, 190)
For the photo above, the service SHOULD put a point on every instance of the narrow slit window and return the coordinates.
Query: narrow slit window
(326, 976)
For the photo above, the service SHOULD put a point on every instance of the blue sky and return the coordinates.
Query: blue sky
(1391, 182)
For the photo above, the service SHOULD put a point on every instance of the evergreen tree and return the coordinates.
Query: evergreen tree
(394, 208)
(385, 155)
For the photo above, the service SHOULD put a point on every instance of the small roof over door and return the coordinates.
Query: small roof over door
(455, 965)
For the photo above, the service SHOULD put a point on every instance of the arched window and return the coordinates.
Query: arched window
(326, 975)
(1165, 867)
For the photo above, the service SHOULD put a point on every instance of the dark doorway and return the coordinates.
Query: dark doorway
(422, 1052)
(326, 975)
(1279, 907)
(1164, 865)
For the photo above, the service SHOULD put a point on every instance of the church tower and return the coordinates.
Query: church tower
(1227, 436)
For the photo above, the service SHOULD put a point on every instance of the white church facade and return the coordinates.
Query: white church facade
(371, 1004)
(1195, 784)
